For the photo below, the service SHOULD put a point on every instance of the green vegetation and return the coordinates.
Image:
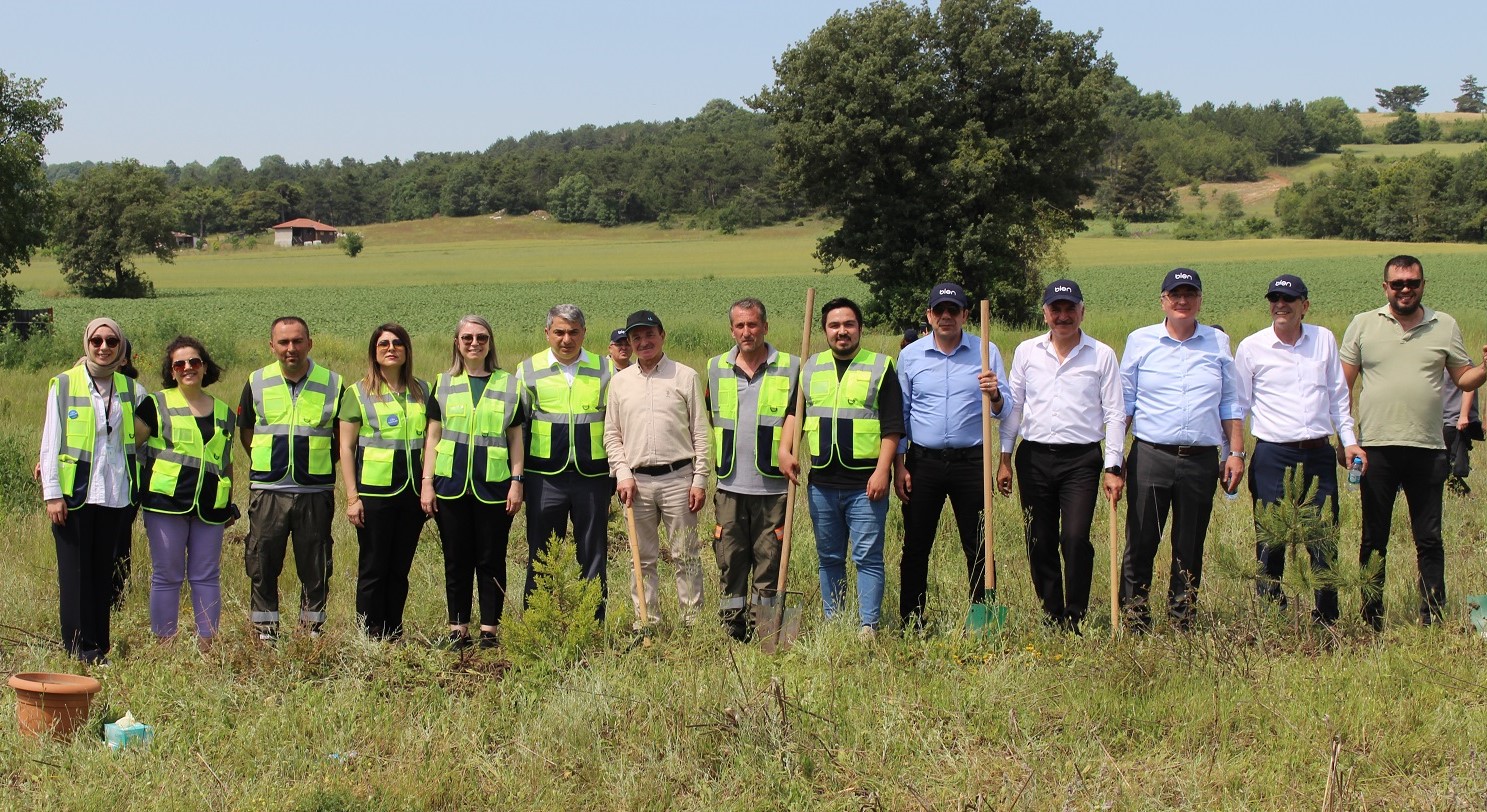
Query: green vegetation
(111, 214)
(1424, 198)
(26, 119)
(1242, 713)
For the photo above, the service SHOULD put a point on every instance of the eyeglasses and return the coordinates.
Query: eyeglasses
(946, 310)
(103, 341)
(184, 363)
(1405, 284)
(1177, 295)
(385, 343)
(1280, 297)
(472, 338)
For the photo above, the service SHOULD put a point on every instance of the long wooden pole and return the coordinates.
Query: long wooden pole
(987, 497)
(1114, 572)
(635, 560)
(790, 495)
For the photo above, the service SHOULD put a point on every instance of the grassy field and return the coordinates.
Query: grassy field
(1242, 713)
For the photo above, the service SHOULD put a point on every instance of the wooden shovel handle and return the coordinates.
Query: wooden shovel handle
(790, 493)
(987, 474)
(635, 561)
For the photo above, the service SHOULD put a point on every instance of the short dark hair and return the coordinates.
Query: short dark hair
(748, 303)
(1403, 262)
(290, 320)
(210, 372)
(839, 302)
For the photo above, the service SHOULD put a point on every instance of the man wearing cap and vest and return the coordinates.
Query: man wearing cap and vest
(619, 349)
(563, 390)
(750, 390)
(1292, 385)
(287, 424)
(853, 419)
(1065, 393)
(940, 456)
(656, 435)
(1182, 401)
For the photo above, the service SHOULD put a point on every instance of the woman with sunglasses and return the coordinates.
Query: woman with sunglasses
(187, 497)
(89, 479)
(383, 417)
(472, 477)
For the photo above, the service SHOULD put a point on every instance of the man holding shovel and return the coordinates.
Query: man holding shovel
(750, 390)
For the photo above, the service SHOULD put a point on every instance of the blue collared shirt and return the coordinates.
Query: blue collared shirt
(942, 393)
(1179, 392)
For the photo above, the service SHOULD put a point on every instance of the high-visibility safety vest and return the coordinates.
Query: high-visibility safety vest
(389, 444)
(185, 472)
(75, 418)
(767, 422)
(292, 436)
(472, 455)
(565, 421)
(854, 435)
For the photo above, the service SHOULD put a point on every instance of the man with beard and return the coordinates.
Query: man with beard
(1397, 352)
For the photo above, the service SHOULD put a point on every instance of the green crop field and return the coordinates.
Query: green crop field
(1244, 712)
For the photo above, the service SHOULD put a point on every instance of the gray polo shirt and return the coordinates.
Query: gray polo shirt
(746, 478)
(1400, 374)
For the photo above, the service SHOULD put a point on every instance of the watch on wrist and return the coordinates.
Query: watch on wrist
(1240, 454)
(518, 478)
(1114, 469)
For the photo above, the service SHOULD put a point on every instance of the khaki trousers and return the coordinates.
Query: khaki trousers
(663, 500)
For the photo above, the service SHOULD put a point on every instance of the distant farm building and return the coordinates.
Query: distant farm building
(303, 231)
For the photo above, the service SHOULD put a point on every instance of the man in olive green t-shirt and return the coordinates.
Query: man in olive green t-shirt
(1398, 352)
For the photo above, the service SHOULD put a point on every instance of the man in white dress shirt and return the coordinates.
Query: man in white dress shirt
(1065, 392)
(1292, 385)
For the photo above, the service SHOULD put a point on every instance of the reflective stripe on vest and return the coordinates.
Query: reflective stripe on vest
(566, 421)
(389, 443)
(767, 422)
(185, 472)
(292, 436)
(77, 425)
(472, 454)
(848, 405)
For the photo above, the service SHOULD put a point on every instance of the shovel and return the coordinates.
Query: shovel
(1114, 575)
(645, 626)
(778, 625)
(1478, 606)
(987, 616)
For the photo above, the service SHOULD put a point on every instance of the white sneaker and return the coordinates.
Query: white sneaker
(867, 634)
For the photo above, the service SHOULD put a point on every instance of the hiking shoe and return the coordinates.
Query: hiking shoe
(867, 634)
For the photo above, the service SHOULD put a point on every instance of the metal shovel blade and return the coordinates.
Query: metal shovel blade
(777, 629)
(987, 617)
(1478, 606)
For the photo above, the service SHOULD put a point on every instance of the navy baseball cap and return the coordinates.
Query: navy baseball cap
(642, 318)
(1177, 277)
(617, 336)
(1288, 284)
(951, 293)
(1063, 290)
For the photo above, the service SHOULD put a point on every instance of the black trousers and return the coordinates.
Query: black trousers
(123, 553)
(552, 501)
(86, 546)
(1268, 472)
(387, 542)
(475, 537)
(1058, 486)
(1158, 484)
(1422, 472)
(933, 480)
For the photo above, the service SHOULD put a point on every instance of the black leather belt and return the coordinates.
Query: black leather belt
(1181, 450)
(661, 470)
(1303, 445)
(946, 454)
(1060, 448)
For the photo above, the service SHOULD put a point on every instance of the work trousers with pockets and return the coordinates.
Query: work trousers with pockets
(1058, 486)
(1422, 473)
(553, 500)
(934, 476)
(1159, 483)
(746, 544)
(662, 500)
(85, 570)
(274, 516)
(1272, 465)
(386, 542)
(475, 537)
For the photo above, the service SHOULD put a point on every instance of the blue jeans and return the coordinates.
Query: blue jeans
(841, 517)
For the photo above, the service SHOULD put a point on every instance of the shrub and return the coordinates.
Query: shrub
(352, 243)
(558, 624)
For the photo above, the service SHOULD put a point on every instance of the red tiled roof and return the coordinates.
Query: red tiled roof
(305, 222)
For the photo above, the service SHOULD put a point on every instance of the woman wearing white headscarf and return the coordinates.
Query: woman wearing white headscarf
(89, 479)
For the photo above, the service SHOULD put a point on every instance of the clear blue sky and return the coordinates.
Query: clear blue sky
(158, 80)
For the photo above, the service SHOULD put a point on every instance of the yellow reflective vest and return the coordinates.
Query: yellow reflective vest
(184, 471)
(767, 422)
(76, 420)
(389, 442)
(841, 415)
(565, 421)
(472, 455)
(292, 437)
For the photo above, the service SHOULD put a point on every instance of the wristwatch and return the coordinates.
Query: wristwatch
(1240, 454)
(518, 478)
(1114, 469)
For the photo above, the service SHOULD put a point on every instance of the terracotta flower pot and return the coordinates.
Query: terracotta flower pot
(52, 703)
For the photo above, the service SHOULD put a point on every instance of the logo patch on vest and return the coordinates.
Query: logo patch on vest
(392, 420)
(72, 414)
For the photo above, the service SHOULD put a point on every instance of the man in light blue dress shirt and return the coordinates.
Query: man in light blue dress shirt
(1182, 398)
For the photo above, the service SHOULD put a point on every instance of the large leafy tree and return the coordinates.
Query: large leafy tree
(26, 119)
(1473, 98)
(953, 142)
(111, 214)
(1401, 98)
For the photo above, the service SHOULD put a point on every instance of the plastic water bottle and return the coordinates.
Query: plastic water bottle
(1355, 473)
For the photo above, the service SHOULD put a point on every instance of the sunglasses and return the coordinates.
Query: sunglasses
(472, 338)
(946, 309)
(185, 363)
(1280, 297)
(1405, 284)
(103, 341)
(385, 343)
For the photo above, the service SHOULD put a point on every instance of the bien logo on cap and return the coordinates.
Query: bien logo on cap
(1182, 276)
(946, 292)
(1063, 289)
(1283, 283)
